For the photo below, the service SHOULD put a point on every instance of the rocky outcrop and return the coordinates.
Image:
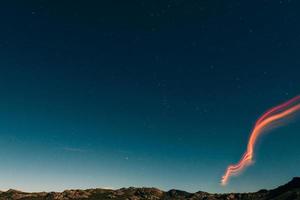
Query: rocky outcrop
(289, 191)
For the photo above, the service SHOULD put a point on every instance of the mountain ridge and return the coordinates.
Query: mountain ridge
(288, 191)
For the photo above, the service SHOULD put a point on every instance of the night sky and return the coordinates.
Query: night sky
(151, 93)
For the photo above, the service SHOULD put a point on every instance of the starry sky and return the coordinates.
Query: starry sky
(163, 94)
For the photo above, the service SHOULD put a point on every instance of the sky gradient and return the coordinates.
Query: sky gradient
(145, 93)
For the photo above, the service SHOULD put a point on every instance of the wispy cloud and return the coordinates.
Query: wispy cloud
(108, 188)
(72, 149)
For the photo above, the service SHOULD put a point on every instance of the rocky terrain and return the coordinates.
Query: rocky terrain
(289, 191)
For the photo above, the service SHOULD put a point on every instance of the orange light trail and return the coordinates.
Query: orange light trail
(265, 121)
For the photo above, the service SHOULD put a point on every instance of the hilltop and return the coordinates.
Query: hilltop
(289, 191)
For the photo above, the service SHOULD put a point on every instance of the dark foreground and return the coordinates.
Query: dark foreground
(289, 191)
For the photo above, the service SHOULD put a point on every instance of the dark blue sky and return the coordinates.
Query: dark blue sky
(145, 93)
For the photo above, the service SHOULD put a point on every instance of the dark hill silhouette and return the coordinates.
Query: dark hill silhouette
(289, 191)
